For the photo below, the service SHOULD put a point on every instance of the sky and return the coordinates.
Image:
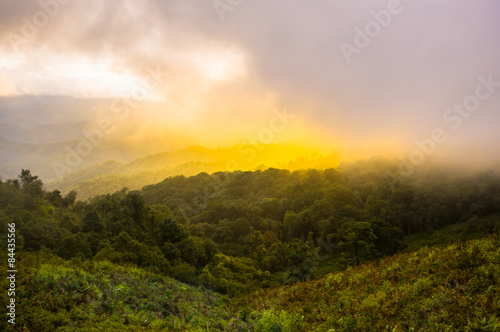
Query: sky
(367, 78)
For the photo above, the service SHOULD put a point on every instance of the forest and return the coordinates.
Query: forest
(249, 166)
(232, 240)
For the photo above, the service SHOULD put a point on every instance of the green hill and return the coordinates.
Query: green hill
(58, 295)
(242, 233)
(453, 288)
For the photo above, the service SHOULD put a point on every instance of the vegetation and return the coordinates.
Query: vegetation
(76, 295)
(453, 288)
(245, 234)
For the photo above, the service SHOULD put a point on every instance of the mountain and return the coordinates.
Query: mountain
(452, 288)
(42, 133)
(40, 158)
(58, 295)
(108, 262)
(112, 176)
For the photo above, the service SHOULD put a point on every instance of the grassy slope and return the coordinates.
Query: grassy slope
(453, 288)
(446, 235)
(54, 295)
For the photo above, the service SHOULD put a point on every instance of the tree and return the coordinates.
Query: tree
(300, 260)
(54, 197)
(257, 247)
(389, 239)
(188, 251)
(73, 246)
(134, 205)
(69, 199)
(171, 231)
(92, 222)
(358, 236)
(127, 248)
(31, 184)
(276, 258)
(27, 178)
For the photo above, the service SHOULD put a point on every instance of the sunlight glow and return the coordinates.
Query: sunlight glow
(71, 76)
(220, 65)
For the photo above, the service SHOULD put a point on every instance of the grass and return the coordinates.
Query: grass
(57, 295)
(450, 288)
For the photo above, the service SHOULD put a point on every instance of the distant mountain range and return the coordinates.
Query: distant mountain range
(112, 176)
(39, 158)
(36, 132)
(40, 133)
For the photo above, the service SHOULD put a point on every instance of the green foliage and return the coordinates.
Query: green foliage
(75, 245)
(358, 236)
(82, 295)
(170, 231)
(30, 183)
(269, 321)
(233, 275)
(454, 288)
(243, 232)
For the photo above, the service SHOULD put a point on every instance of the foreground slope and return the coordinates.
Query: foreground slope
(453, 288)
(57, 295)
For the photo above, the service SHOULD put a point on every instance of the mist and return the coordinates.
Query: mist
(222, 74)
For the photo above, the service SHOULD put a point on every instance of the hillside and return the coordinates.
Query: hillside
(239, 233)
(41, 157)
(453, 288)
(58, 295)
(111, 176)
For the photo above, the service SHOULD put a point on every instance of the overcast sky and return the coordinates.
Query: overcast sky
(226, 65)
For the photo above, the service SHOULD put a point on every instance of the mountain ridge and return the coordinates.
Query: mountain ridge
(189, 161)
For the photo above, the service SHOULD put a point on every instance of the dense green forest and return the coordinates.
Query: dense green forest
(235, 235)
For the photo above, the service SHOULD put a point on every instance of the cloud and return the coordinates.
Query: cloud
(394, 90)
(7, 87)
